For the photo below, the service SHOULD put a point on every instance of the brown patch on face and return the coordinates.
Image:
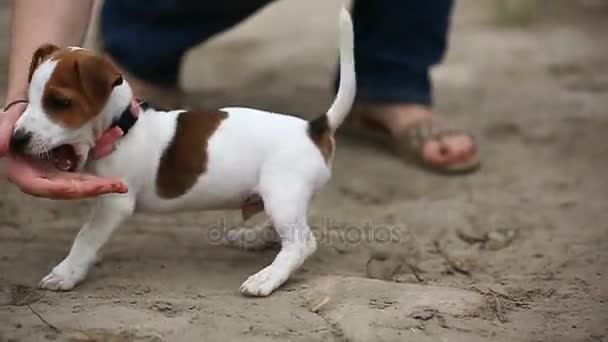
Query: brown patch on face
(79, 87)
(321, 134)
(41, 54)
(185, 159)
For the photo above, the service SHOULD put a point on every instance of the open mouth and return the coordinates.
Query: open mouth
(65, 158)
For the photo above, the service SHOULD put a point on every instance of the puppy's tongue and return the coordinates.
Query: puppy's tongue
(64, 158)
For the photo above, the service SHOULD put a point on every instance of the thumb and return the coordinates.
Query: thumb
(7, 124)
(105, 144)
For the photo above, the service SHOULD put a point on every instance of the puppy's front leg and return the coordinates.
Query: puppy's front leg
(108, 214)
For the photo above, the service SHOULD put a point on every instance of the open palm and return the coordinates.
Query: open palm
(42, 179)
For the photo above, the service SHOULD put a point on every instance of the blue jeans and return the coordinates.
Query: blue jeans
(396, 41)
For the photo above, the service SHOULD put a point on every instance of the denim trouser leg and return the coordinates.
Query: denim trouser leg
(149, 37)
(396, 44)
(397, 41)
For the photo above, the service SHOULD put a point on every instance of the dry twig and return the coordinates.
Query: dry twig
(317, 307)
(416, 272)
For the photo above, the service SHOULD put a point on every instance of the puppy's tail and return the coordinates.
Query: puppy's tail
(348, 83)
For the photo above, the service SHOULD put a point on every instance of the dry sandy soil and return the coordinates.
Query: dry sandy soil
(515, 252)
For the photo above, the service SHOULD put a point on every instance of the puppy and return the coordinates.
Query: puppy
(232, 158)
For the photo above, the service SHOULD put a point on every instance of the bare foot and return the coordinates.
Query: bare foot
(443, 150)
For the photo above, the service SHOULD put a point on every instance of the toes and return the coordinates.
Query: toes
(449, 150)
(56, 282)
(63, 277)
(462, 145)
(436, 153)
(261, 284)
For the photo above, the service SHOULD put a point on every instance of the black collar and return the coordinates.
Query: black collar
(127, 119)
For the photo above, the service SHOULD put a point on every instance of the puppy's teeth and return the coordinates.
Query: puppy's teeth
(63, 164)
(64, 158)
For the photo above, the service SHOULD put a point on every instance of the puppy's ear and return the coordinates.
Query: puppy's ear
(97, 76)
(117, 80)
(40, 55)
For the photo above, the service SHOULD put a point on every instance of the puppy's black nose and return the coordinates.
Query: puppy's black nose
(20, 139)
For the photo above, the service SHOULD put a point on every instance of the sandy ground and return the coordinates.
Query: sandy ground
(516, 252)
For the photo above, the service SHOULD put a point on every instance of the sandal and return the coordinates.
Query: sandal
(410, 143)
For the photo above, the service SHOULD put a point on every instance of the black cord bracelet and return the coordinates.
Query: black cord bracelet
(8, 106)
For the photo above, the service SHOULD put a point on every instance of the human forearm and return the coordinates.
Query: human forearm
(36, 22)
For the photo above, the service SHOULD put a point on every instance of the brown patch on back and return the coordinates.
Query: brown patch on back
(320, 133)
(79, 87)
(185, 159)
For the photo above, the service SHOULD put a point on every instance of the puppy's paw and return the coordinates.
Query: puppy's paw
(263, 283)
(63, 277)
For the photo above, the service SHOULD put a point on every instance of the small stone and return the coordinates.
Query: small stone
(424, 314)
(162, 306)
(500, 239)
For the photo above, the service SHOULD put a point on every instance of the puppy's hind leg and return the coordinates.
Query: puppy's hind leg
(287, 207)
(109, 213)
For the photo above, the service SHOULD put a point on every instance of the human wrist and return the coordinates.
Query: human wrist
(15, 104)
(14, 99)
(16, 90)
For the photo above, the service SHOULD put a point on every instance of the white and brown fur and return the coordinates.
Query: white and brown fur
(232, 158)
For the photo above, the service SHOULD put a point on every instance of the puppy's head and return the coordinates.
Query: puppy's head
(73, 96)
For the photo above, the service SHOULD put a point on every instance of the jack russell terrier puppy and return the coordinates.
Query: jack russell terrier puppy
(232, 158)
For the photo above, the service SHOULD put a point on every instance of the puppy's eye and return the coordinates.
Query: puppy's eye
(59, 103)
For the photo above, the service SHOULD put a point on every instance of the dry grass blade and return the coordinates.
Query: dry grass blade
(54, 328)
(318, 306)
(498, 308)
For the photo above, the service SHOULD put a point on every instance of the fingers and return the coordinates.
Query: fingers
(53, 189)
(67, 188)
(7, 124)
(105, 145)
(60, 185)
(95, 187)
(135, 109)
(83, 177)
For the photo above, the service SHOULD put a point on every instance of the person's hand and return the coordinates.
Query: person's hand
(42, 179)
(105, 144)
(8, 119)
